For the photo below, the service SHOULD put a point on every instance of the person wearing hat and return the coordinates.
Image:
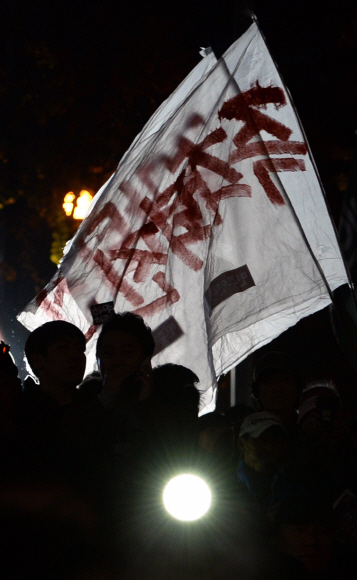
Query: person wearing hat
(319, 413)
(325, 448)
(263, 442)
(276, 387)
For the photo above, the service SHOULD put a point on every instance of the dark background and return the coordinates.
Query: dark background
(79, 79)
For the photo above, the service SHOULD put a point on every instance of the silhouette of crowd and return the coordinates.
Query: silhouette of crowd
(84, 461)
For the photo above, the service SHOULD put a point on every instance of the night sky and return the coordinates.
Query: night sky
(79, 79)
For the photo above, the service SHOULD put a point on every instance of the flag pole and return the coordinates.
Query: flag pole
(232, 378)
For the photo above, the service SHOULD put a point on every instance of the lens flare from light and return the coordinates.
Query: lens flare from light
(187, 497)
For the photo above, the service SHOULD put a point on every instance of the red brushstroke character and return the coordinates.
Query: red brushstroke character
(175, 208)
(246, 107)
(174, 220)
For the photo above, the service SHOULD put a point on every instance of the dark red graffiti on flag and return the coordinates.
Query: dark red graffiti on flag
(174, 219)
(116, 280)
(61, 290)
(178, 204)
(245, 107)
(262, 167)
(59, 287)
(90, 332)
(52, 306)
(175, 207)
(108, 215)
(184, 211)
(50, 310)
(163, 302)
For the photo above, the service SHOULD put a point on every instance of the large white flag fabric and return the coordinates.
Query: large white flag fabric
(214, 227)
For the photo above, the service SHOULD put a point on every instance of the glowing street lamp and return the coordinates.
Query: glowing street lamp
(82, 204)
(187, 497)
(68, 202)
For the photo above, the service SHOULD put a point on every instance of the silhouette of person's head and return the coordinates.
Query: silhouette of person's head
(124, 350)
(55, 353)
(276, 384)
(175, 386)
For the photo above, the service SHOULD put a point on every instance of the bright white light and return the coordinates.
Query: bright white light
(187, 497)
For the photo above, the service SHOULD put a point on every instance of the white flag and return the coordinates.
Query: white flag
(213, 228)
